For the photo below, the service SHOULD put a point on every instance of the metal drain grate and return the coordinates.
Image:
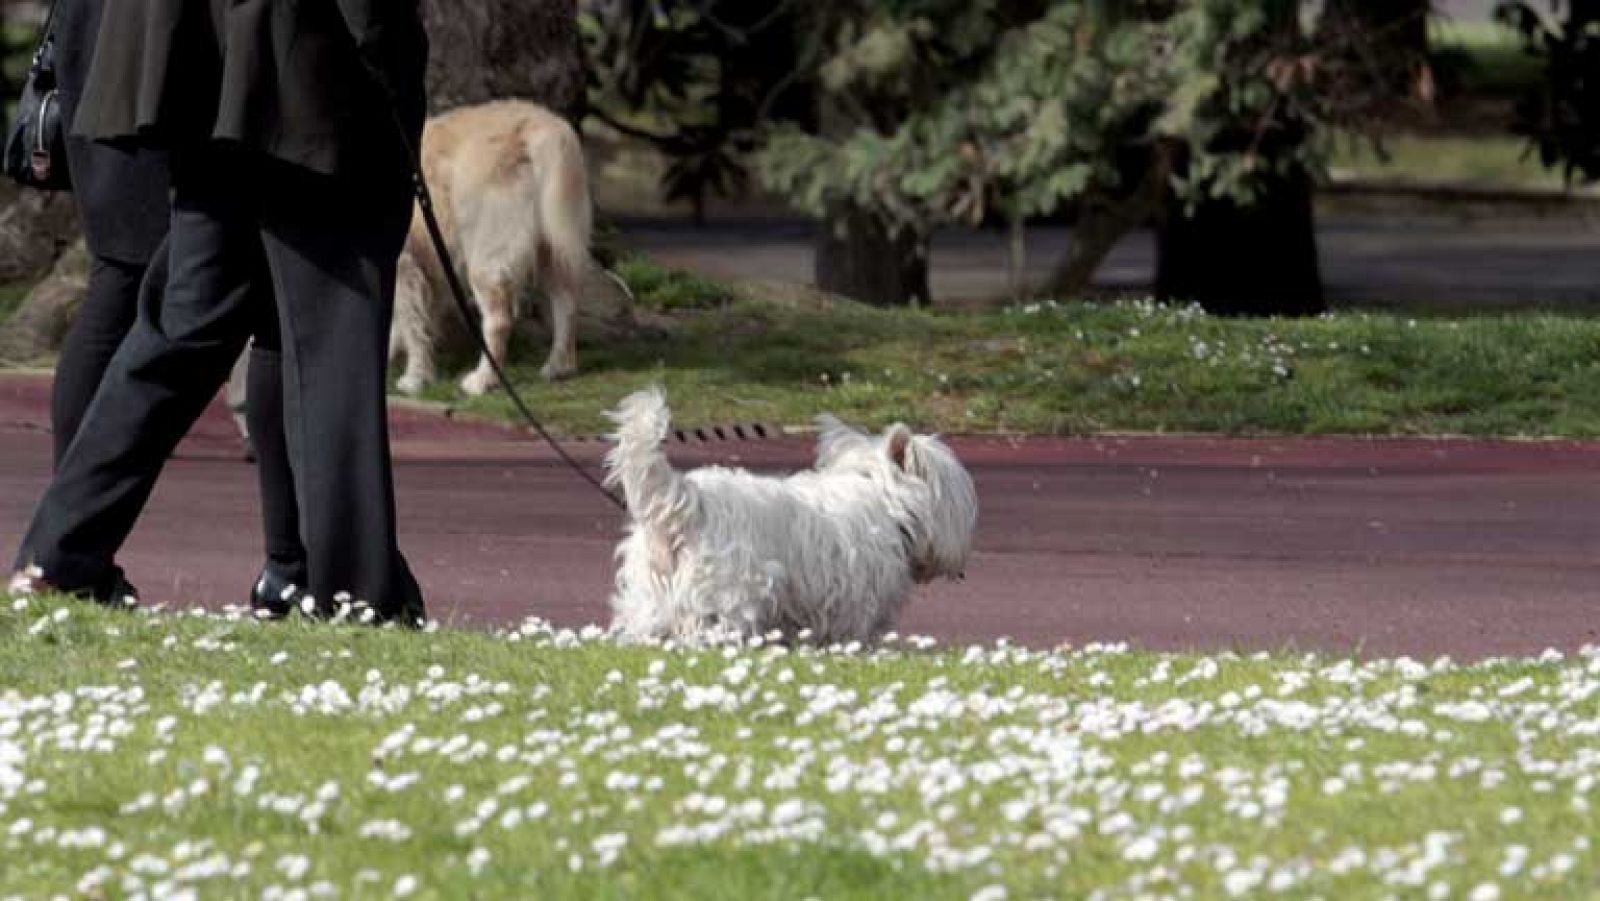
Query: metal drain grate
(744, 431)
(753, 431)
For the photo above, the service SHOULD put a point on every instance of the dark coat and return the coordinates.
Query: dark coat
(121, 191)
(289, 78)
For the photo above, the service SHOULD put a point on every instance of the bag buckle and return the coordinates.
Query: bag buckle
(40, 160)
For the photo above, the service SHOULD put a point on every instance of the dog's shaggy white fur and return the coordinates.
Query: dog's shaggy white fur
(834, 550)
(512, 194)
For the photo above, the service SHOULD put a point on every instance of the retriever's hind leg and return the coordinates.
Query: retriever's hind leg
(497, 304)
(412, 334)
(563, 306)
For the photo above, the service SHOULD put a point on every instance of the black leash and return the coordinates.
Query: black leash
(459, 295)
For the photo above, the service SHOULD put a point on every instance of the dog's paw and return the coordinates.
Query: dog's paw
(411, 385)
(477, 383)
(553, 372)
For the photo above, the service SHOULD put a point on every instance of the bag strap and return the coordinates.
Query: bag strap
(45, 31)
(50, 17)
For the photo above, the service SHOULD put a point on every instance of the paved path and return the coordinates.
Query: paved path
(1418, 261)
(1419, 547)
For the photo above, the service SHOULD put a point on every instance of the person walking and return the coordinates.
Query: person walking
(287, 166)
(121, 194)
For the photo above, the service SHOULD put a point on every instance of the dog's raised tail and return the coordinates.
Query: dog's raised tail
(653, 489)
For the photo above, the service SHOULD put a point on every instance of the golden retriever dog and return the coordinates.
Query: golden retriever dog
(512, 196)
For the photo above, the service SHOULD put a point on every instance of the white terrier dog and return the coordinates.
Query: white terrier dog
(834, 550)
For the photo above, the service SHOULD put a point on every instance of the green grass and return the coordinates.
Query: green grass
(1481, 68)
(1081, 368)
(663, 290)
(1477, 63)
(1487, 161)
(1483, 58)
(151, 754)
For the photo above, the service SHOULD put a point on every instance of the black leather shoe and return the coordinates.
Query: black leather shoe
(114, 591)
(123, 595)
(277, 592)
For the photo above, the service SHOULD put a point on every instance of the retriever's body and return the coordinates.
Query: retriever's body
(512, 196)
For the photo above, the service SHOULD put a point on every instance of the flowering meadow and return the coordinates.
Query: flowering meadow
(204, 755)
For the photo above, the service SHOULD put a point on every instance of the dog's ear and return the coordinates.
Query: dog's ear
(898, 441)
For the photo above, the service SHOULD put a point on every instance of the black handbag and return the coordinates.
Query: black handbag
(36, 146)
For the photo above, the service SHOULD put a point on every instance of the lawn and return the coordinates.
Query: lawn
(1482, 69)
(1483, 57)
(1480, 161)
(149, 755)
(1079, 368)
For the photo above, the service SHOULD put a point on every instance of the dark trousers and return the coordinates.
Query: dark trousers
(328, 246)
(105, 318)
(264, 415)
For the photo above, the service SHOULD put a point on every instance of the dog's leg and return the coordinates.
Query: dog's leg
(497, 304)
(420, 370)
(411, 334)
(563, 360)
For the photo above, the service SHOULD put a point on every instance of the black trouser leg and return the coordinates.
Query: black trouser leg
(332, 246)
(103, 320)
(170, 366)
(264, 411)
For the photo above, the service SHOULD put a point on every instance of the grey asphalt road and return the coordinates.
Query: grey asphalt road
(1417, 261)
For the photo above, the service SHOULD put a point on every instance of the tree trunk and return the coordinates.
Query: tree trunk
(35, 226)
(1106, 221)
(1257, 260)
(857, 257)
(40, 324)
(1017, 256)
(488, 49)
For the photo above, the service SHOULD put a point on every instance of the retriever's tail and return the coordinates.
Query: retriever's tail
(566, 213)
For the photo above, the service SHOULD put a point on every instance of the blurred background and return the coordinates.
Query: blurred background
(1256, 156)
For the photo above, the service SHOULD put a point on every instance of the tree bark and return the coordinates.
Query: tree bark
(1256, 260)
(1017, 256)
(490, 49)
(1106, 222)
(35, 226)
(856, 255)
(858, 258)
(40, 324)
